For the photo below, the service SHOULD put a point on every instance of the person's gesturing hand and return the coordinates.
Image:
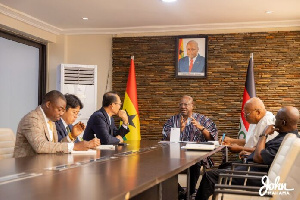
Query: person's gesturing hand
(123, 115)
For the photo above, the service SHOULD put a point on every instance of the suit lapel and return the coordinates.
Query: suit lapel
(62, 127)
(41, 117)
(107, 120)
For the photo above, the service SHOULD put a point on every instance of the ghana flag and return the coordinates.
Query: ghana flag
(180, 49)
(249, 92)
(131, 105)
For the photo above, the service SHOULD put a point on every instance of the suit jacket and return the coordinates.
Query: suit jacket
(61, 129)
(197, 67)
(99, 124)
(33, 136)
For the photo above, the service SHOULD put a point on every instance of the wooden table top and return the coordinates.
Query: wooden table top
(110, 174)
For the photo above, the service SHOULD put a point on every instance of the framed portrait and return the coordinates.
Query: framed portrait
(191, 56)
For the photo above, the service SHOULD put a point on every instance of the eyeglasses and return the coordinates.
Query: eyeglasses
(184, 104)
(247, 114)
(120, 104)
(76, 113)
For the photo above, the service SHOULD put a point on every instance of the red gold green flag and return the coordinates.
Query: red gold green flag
(131, 105)
(180, 49)
(246, 129)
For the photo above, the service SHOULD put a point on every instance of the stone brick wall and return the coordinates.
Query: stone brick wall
(219, 96)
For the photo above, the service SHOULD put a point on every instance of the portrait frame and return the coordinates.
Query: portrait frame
(183, 66)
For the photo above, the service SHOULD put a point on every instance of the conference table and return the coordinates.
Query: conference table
(138, 170)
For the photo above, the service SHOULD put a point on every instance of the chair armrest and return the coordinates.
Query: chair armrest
(237, 187)
(249, 165)
(238, 190)
(238, 176)
(245, 172)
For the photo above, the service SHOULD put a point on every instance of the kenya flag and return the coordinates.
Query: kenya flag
(131, 105)
(249, 92)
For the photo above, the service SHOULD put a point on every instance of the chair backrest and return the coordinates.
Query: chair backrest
(293, 180)
(284, 158)
(286, 165)
(7, 143)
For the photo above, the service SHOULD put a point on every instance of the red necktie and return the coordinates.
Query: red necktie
(191, 65)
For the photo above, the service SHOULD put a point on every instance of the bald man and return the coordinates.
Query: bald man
(265, 152)
(193, 62)
(255, 113)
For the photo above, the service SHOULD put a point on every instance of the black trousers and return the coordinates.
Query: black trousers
(194, 176)
(210, 178)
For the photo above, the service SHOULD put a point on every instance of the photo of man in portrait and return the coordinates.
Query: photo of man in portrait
(193, 62)
(191, 56)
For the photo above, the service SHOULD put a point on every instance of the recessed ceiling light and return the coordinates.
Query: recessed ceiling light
(169, 0)
(269, 12)
(85, 18)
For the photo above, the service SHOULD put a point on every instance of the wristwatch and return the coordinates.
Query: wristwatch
(266, 135)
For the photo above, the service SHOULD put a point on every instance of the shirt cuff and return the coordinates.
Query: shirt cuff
(126, 127)
(70, 147)
(69, 140)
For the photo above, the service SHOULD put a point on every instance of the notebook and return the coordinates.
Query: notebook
(207, 147)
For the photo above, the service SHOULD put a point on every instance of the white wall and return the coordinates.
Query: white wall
(82, 49)
(19, 72)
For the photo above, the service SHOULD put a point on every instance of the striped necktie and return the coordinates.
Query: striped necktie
(68, 129)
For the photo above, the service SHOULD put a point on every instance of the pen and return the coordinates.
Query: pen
(223, 137)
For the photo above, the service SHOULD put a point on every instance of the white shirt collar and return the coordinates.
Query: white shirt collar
(64, 123)
(48, 126)
(45, 117)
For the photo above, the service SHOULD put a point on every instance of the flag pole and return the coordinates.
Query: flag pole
(251, 55)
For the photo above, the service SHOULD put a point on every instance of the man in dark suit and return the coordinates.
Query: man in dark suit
(102, 124)
(193, 62)
(64, 126)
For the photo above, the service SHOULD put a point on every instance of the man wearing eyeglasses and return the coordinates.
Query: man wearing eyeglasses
(101, 124)
(193, 127)
(64, 126)
(255, 113)
(37, 131)
(286, 122)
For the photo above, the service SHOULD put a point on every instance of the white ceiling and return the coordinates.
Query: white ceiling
(130, 16)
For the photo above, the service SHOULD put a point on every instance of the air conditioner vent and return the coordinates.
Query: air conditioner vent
(79, 76)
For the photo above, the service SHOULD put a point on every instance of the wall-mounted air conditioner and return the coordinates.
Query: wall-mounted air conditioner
(80, 80)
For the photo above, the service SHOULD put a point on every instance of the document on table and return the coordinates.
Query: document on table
(88, 152)
(175, 135)
(199, 147)
(106, 147)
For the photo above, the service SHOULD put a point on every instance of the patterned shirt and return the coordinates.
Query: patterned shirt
(190, 132)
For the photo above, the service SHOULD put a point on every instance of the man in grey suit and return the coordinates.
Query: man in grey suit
(193, 62)
(37, 132)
